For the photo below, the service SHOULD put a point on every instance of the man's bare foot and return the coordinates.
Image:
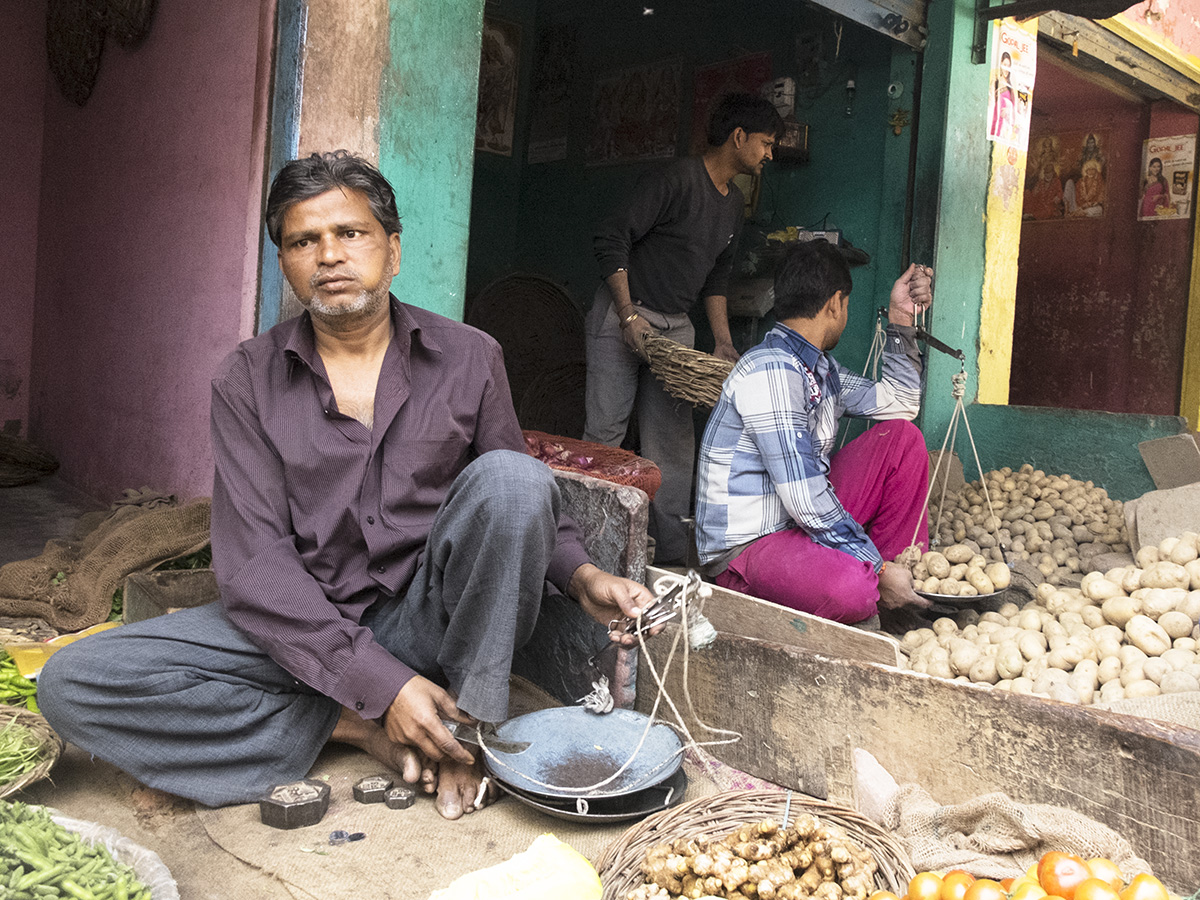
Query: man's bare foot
(463, 789)
(353, 729)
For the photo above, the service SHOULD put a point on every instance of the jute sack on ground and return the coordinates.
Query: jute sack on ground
(993, 836)
(71, 585)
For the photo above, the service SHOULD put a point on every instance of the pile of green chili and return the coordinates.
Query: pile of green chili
(41, 860)
(14, 689)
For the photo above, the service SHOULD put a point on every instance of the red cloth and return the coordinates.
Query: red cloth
(598, 460)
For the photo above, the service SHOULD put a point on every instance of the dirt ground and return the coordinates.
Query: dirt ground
(229, 854)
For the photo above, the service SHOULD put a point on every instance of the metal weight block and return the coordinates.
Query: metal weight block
(295, 804)
(372, 788)
(399, 798)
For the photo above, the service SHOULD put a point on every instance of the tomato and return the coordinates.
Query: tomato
(1027, 889)
(1145, 887)
(1095, 889)
(1007, 884)
(925, 886)
(883, 895)
(985, 889)
(1060, 874)
(955, 885)
(1106, 870)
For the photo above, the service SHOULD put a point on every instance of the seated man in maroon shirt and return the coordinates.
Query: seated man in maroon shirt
(380, 538)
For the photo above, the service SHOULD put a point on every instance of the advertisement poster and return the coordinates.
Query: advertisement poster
(1168, 166)
(1014, 65)
(710, 83)
(1066, 175)
(498, 68)
(635, 115)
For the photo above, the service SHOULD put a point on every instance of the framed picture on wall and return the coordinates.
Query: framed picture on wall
(1066, 176)
(635, 115)
(499, 69)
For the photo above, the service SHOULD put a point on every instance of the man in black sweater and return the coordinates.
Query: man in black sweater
(670, 245)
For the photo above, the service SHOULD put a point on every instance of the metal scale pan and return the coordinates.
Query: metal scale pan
(637, 805)
(571, 749)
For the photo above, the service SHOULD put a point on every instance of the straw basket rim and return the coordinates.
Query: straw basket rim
(50, 743)
(719, 814)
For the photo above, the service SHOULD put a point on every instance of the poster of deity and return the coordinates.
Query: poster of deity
(1066, 176)
(635, 115)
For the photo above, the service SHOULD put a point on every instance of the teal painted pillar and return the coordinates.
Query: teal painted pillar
(954, 105)
(427, 114)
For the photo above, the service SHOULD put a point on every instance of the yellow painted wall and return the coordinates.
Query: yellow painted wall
(1002, 243)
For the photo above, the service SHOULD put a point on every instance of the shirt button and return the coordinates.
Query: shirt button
(381, 570)
(370, 520)
(358, 705)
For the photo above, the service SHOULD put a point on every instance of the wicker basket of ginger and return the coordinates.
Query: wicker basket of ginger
(767, 845)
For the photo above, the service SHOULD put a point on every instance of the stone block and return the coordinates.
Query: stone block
(1162, 514)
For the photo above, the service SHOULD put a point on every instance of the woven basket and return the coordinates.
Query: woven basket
(687, 374)
(51, 746)
(719, 814)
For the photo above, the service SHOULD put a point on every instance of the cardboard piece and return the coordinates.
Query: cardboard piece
(1172, 461)
(1162, 514)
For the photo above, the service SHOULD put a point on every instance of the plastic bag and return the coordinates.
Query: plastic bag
(548, 870)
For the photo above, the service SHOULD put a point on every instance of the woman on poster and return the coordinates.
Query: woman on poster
(1155, 192)
(1004, 103)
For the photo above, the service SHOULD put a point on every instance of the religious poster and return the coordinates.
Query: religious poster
(1066, 176)
(499, 67)
(746, 74)
(1010, 100)
(1168, 166)
(635, 115)
(553, 75)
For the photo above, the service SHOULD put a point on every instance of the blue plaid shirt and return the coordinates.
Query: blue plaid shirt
(764, 458)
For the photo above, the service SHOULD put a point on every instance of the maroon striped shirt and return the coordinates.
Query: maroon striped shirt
(315, 516)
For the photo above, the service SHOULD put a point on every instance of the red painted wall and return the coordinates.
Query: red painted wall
(1176, 21)
(1102, 302)
(22, 97)
(147, 247)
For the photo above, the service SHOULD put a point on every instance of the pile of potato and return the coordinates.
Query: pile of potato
(1130, 632)
(1054, 521)
(960, 571)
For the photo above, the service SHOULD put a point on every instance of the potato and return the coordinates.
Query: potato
(1155, 668)
(1092, 617)
(1119, 610)
(931, 584)
(1108, 669)
(1184, 552)
(958, 572)
(1165, 575)
(1032, 644)
(1111, 691)
(1143, 688)
(1176, 624)
(1147, 635)
(1156, 601)
(945, 625)
(1178, 658)
(999, 574)
(1178, 683)
(1193, 570)
(949, 587)
(958, 553)
(978, 580)
(1102, 589)
(936, 563)
(1190, 606)
(1132, 580)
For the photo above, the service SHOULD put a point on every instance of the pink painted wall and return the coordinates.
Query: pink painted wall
(1101, 304)
(22, 98)
(1176, 21)
(147, 251)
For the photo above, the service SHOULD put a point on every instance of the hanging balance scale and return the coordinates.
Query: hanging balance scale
(942, 467)
(592, 762)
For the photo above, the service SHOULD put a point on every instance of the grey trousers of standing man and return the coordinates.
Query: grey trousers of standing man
(619, 382)
(188, 704)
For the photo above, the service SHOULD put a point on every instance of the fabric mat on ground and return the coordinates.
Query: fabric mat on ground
(407, 853)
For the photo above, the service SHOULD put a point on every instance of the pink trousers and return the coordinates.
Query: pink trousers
(881, 478)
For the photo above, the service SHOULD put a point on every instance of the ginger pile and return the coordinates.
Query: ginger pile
(808, 860)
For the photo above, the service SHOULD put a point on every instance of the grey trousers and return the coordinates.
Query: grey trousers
(188, 704)
(618, 382)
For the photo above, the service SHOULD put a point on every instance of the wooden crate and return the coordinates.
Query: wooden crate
(801, 710)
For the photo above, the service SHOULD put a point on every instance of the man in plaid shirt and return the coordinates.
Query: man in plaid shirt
(779, 514)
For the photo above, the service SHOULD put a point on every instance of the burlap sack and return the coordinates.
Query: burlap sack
(1178, 709)
(71, 585)
(993, 836)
